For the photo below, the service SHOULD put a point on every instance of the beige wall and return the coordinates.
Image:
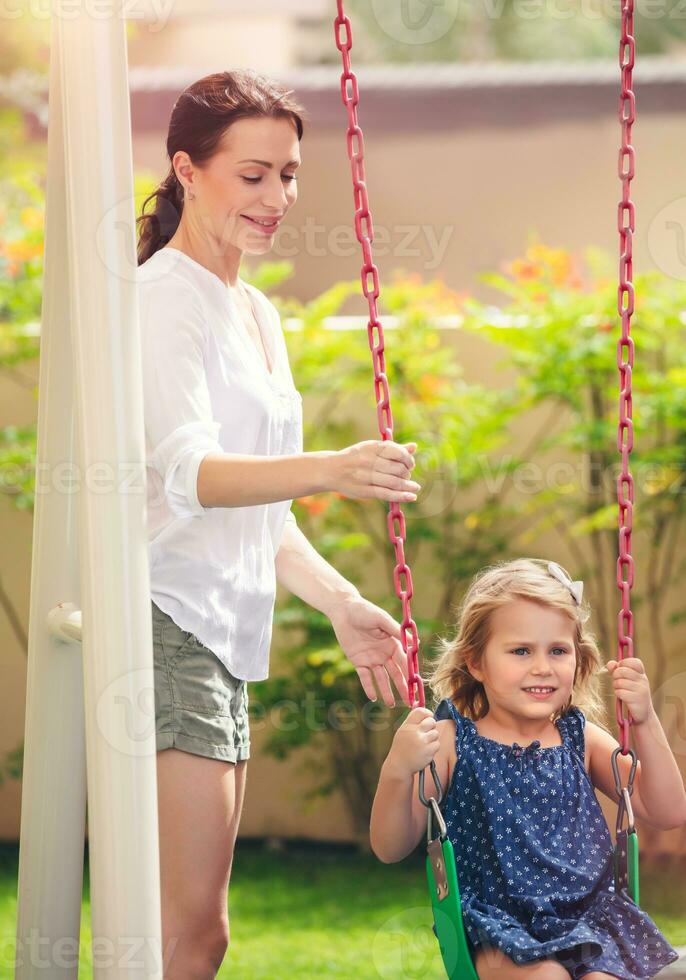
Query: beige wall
(207, 43)
(485, 186)
(215, 35)
(462, 203)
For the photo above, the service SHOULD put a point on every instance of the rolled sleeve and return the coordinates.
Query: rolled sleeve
(177, 459)
(179, 424)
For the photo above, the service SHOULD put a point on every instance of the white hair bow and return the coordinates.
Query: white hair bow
(576, 588)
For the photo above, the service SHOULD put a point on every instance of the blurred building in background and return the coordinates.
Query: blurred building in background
(213, 35)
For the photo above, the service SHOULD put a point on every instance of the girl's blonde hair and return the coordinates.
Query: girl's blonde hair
(495, 586)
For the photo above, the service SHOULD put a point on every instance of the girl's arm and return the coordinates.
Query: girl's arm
(399, 818)
(662, 787)
(658, 797)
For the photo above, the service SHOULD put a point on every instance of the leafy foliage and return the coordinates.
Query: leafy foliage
(492, 30)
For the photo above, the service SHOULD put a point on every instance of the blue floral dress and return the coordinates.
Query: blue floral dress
(534, 857)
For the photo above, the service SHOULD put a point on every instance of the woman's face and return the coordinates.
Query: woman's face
(251, 176)
(531, 645)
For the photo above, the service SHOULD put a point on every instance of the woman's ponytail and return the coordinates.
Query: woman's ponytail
(157, 227)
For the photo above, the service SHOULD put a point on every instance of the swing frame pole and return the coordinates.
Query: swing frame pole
(89, 730)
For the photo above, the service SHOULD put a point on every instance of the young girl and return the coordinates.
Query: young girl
(518, 768)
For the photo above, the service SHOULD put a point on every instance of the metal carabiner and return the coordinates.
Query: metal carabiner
(437, 784)
(616, 773)
(434, 813)
(625, 807)
(624, 792)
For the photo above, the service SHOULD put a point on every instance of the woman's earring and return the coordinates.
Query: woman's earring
(191, 195)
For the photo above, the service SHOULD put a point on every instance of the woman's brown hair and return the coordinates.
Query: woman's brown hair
(200, 117)
(495, 586)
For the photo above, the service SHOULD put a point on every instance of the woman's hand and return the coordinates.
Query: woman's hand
(631, 684)
(370, 639)
(375, 468)
(415, 743)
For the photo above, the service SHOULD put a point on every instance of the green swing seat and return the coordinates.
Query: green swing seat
(445, 902)
(626, 864)
(444, 888)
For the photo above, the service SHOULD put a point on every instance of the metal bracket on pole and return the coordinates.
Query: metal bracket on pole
(64, 622)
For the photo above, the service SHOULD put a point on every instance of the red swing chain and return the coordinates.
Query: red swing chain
(402, 576)
(625, 485)
(625, 305)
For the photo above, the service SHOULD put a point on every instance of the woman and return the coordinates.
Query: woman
(223, 426)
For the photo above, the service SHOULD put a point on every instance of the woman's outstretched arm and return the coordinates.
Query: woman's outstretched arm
(371, 469)
(302, 570)
(367, 634)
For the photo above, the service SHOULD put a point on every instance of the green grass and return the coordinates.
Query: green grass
(317, 912)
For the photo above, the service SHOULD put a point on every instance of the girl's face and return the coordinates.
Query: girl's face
(251, 176)
(531, 645)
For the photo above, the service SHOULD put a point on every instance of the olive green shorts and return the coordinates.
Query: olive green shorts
(199, 706)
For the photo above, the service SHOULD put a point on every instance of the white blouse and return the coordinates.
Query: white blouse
(208, 390)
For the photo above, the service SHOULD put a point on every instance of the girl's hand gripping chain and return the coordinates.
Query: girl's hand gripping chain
(631, 684)
(415, 743)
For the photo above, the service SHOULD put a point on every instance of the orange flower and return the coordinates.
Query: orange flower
(314, 504)
(542, 262)
(524, 270)
(429, 385)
